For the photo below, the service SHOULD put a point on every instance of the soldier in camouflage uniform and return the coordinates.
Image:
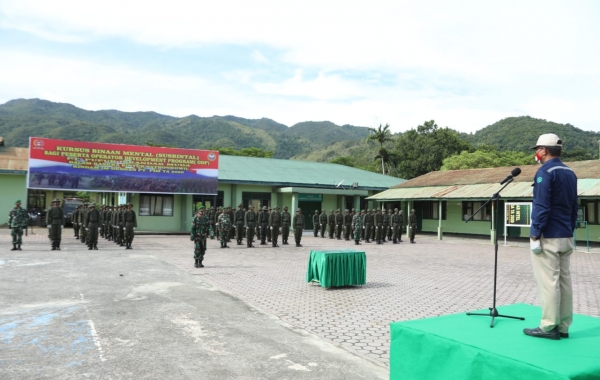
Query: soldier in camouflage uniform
(357, 223)
(224, 228)
(17, 221)
(212, 216)
(200, 229)
(55, 220)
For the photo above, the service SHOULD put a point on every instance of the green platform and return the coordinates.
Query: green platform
(337, 268)
(465, 347)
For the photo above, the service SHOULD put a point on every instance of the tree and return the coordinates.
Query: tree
(247, 152)
(381, 135)
(486, 158)
(344, 160)
(423, 150)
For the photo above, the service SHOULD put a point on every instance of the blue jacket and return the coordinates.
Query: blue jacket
(554, 211)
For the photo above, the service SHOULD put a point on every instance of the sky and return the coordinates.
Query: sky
(465, 64)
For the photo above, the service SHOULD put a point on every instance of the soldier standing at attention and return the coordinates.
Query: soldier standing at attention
(331, 223)
(357, 223)
(395, 220)
(55, 219)
(81, 221)
(323, 223)
(348, 217)
(74, 217)
(130, 225)
(339, 223)
(378, 226)
(231, 222)
(263, 221)
(401, 226)
(121, 226)
(275, 223)
(250, 223)
(269, 226)
(17, 221)
(286, 222)
(224, 228)
(386, 225)
(298, 224)
(212, 216)
(239, 224)
(412, 221)
(200, 229)
(389, 235)
(315, 221)
(92, 223)
(217, 215)
(368, 223)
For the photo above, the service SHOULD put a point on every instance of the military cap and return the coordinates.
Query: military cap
(286, 207)
(400, 211)
(346, 210)
(212, 208)
(299, 210)
(395, 209)
(240, 205)
(250, 206)
(338, 210)
(323, 210)
(331, 210)
(17, 201)
(316, 211)
(276, 208)
(92, 205)
(265, 208)
(56, 200)
(413, 210)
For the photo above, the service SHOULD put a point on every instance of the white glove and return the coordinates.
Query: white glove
(134, 228)
(99, 228)
(535, 246)
(48, 226)
(80, 224)
(87, 229)
(61, 227)
(279, 229)
(123, 228)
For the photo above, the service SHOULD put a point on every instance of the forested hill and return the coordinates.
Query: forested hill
(520, 133)
(22, 118)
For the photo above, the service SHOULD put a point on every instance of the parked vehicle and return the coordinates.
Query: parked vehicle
(70, 205)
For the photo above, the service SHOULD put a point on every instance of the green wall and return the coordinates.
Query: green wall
(13, 187)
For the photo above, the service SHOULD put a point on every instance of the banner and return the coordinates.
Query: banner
(518, 214)
(87, 166)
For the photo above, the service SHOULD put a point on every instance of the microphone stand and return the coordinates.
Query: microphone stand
(493, 311)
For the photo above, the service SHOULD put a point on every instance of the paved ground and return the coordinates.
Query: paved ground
(249, 313)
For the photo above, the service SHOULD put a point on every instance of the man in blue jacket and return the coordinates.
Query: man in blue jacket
(553, 218)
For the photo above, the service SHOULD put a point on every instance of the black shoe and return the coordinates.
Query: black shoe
(539, 333)
(53, 248)
(95, 247)
(19, 247)
(14, 248)
(299, 245)
(399, 240)
(200, 264)
(196, 261)
(564, 335)
(90, 248)
(58, 247)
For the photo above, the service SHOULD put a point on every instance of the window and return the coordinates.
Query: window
(156, 205)
(431, 210)
(470, 207)
(591, 209)
(257, 200)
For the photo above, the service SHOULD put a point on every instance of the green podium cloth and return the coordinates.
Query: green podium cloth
(465, 347)
(337, 268)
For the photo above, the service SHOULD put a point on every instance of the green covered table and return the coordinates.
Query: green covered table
(337, 268)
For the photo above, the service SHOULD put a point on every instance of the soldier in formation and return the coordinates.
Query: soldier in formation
(412, 221)
(55, 220)
(224, 224)
(323, 223)
(316, 225)
(386, 226)
(201, 228)
(212, 216)
(286, 222)
(397, 222)
(130, 221)
(250, 218)
(92, 226)
(239, 224)
(17, 221)
(74, 218)
(339, 223)
(275, 223)
(348, 217)
(331, 223)
(357, 223)
(263, 221)
(368, 225)
(298, 224)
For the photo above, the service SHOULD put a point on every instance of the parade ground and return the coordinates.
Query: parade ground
(147, 313)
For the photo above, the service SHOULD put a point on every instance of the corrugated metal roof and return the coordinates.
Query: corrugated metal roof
(483, 183)
(276, 172)
(14, 159)
(583, 169)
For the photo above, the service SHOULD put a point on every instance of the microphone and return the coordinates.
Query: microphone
(515, 172)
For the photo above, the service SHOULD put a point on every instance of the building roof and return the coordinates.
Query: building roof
(483, 183)
(276, 172)
(14, 160)
(257, 171)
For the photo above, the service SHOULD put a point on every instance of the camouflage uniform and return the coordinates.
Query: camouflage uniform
(357, 223)
(17, 221)
(224, 229)
(200, 229)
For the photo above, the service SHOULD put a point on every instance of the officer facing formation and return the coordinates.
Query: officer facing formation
(286, 222)
(298, 224)
(130, 221)
(55, 220)
(17, 221)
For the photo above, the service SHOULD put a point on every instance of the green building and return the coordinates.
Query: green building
(443, 200)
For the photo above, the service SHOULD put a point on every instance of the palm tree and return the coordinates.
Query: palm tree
(381, 135)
